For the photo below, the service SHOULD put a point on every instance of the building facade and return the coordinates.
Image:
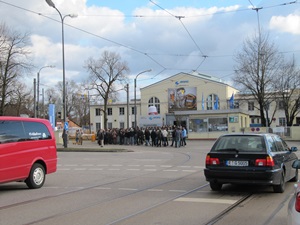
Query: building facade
(205, 105)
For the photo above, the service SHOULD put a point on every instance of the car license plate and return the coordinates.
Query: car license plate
(237, 163)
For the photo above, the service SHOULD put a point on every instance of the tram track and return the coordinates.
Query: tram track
(188, 157)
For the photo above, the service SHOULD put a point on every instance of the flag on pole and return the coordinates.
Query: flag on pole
(202, 101)
(231, 101)
(216, 105)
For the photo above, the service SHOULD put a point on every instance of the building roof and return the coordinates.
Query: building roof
(193, 74)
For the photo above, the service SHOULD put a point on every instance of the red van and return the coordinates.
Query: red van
(27, 150)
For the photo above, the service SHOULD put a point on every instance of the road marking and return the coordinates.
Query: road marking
(154, 190)
(117, 165)
(206, 200)
(133, 169)
(170, 170)
(80, 169)
(102, 188)
(177, 190)
(128, 189)
(96, 169)
(166, 166)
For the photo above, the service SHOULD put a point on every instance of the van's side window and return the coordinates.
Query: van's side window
(37, 131)
(13, 131)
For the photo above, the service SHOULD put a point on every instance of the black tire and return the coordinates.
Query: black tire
(215, 186)
(296, 177)
(36, 177)
(279, 188)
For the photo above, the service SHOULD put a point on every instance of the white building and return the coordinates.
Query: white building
(201, 103)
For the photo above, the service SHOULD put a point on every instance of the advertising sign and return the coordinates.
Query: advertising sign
(182, 98)
(52, 115)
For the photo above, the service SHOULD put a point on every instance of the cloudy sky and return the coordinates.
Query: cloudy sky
(167, 36)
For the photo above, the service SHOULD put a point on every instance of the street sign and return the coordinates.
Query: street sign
(66, 127)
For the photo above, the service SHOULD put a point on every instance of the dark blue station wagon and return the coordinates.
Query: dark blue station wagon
(263, 159)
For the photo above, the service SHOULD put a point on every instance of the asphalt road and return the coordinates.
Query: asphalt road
(145, 185)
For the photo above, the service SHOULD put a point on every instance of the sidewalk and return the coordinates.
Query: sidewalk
(87, 144)
(191, 145)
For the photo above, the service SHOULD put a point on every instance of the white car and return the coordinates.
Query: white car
(294, 204)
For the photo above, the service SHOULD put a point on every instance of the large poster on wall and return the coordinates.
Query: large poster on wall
(182, 98)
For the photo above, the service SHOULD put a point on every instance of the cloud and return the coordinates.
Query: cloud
(290, 23)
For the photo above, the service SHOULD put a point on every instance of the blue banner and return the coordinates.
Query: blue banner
(52, 115)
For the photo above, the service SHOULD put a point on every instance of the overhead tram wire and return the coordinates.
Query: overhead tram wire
(191, 37)
(144, 53)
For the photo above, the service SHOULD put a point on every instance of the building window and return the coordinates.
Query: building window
(121, 111)
(251, 106)
(208, 125)
(154, 102)
(212, 102)
(132, 111)
(122, 125)
(98, 112)
(280, 105)
(282, 122)
(98, 126)
(109, 125)
(109, 111)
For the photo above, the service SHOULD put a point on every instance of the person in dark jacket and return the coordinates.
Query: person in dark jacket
(100, 136)
(153, 137)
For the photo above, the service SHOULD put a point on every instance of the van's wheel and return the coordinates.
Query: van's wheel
(36, 177)
(215, 186)
(279, 188)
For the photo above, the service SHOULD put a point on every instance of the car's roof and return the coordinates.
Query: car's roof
(246, 134)
(18, 118)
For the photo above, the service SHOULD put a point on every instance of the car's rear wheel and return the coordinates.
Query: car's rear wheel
(215, 186)
(36, 177)
(279, 188)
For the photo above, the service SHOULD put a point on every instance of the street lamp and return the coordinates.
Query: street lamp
(51, 4)
(135, 123)
(38, 89)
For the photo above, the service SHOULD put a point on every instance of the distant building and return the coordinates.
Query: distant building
(203, 104)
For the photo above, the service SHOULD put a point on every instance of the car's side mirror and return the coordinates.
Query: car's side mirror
(296, 164)
(294, 149)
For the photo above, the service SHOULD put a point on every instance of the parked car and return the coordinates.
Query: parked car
(27, 150)
(294, 204)
(263, 159)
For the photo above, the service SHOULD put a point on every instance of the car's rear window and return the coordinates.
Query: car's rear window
(240, 143)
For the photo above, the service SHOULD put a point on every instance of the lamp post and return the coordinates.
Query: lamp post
(135, 123)
(51, 4)
(38, 89)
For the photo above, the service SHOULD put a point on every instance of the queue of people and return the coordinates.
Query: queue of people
(150, 136)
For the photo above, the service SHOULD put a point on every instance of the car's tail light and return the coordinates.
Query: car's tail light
(297, 202)
(268, 161)
(212, 161)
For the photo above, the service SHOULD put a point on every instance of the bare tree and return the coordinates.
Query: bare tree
(105, 74)
(287, 87)
(13, 62)
(257, 64)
